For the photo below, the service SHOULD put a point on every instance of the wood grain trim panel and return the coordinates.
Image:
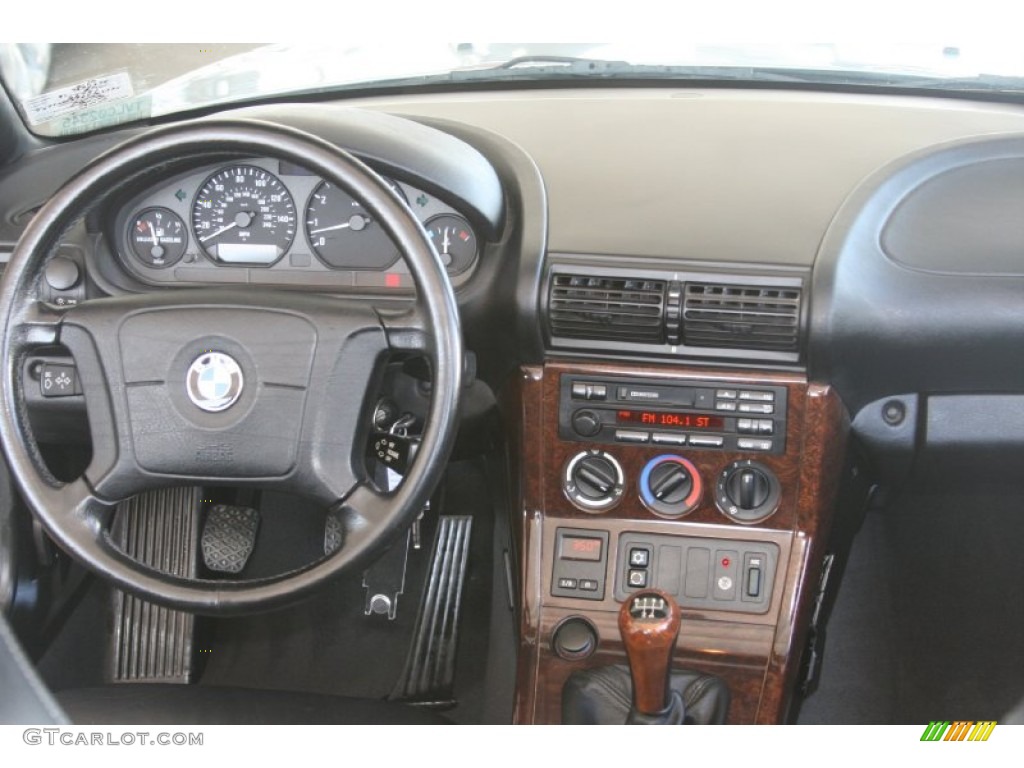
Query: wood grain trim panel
(758, 656)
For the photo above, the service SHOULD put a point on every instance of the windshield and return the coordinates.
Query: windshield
(67, 89)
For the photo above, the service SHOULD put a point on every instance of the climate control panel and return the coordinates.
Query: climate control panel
(670, 485)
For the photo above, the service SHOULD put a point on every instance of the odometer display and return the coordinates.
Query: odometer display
(244, 215)
(669, 419)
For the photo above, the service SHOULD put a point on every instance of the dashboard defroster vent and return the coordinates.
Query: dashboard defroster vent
(607, 308)
(746, 316)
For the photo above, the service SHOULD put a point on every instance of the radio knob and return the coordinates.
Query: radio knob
(586, 423)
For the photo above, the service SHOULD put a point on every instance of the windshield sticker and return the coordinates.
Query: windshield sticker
(102, 117)
(87, 94)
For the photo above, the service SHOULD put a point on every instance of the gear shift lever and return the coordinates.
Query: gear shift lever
(649, 624)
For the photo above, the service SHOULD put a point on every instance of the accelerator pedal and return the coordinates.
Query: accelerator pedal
(429, 674)
(229, 537)
(153, 644)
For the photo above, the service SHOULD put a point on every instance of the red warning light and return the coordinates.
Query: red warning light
(725, 562)
(392, 280)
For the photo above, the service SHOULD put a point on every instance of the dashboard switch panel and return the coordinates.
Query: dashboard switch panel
(699, 572)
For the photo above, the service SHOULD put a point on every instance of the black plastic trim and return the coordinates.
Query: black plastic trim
(879, 328)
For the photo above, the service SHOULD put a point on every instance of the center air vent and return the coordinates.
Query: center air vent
(607, 308)
(750, 317)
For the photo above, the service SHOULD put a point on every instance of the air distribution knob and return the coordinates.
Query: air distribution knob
(670, 485)
(747, 492)
(748, 487)
(593, 480)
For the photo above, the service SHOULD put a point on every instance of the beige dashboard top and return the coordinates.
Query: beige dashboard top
(709, 175)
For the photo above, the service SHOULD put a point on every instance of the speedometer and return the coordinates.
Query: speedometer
(244, 215)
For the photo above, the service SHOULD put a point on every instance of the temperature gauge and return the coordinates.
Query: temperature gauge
(454, 241)
(158, 237)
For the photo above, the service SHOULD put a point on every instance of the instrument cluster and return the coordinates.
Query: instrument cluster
(272, 222)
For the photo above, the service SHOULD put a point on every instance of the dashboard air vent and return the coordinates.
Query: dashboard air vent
(607, 308)
(750, 317)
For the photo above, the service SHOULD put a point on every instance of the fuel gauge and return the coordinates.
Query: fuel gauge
(158, 237)
(454, 240)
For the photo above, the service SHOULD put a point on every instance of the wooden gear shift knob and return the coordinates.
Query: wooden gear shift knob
(649, 624)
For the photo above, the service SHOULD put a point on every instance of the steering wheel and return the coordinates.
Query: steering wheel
(298, 369)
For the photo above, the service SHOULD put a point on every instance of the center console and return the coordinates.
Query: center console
(715, 487)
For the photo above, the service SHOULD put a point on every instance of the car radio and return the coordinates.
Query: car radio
(701, 415)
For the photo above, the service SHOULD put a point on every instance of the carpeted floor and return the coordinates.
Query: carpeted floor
(929, 622)
(327, 644)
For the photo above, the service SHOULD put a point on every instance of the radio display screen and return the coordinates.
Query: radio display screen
(669, 419)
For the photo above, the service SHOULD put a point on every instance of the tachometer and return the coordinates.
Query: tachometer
(244, 215)
(343, 234)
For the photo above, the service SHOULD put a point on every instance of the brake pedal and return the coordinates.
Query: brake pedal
(229, 537)
(429, 674)
(153, 644)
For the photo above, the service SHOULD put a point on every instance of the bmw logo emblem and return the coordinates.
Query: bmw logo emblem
(214, 381)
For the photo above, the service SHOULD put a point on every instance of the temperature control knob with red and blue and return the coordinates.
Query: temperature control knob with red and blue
(670, 485)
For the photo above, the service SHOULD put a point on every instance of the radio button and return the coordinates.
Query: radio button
(764, 426)
(631, 436)
(668, 438)
(725, 405)
(584, 391)
(761, 397)
(639, 393)
(746, 425)
(751, 444)
(704, 441)
(757, 408)
(726, 394)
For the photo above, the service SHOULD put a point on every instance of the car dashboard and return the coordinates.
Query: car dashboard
(745, 288)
